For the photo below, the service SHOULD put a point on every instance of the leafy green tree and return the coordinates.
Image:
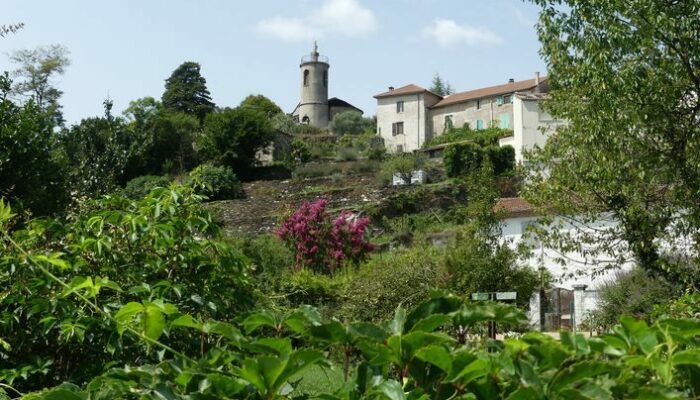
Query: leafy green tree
(624, 75)
(438, 86)
(173, 135)
(262, 103)
(100, 151)
(479, 261)
(32, 172)
(232, 136)
(186, 91)
(34, 77)
(350, 123)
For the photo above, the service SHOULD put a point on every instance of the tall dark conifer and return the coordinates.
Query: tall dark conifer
(186, 91)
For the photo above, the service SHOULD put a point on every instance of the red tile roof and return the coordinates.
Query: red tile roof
(514, 207)
(488, 91)
(403, 90)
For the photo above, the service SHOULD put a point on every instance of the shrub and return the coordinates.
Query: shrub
(300, 151)
(400, 278)
(307, 287)
(633, 293)
(347, 154)
(138, 188)
(466, 158)
(686, 306)
(479, 265)
(315, 170)
(402, 165)
(482, 137)
(322, 243)
(349, 123)
(216, 182)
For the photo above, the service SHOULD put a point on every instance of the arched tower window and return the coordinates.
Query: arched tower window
(305, 120)
(325, 78)
(306, 77)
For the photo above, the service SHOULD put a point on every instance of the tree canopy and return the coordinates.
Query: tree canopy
(441, 87)
(350, 123)
(232, 136)
(186, 91)
(34, 77)
(262, 103)
(625, 76)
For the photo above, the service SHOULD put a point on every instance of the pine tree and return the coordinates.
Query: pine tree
(186, 91)
(443, 88)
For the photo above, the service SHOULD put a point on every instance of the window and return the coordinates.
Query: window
(479, 124)
(399, 148)
(305, 120)
(504, 121)
(399, 106)
(449, 124)
(508, 99)
(306, 77)
(397, 128)
(478, 104)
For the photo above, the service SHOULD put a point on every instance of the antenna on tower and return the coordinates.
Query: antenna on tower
(315, 47)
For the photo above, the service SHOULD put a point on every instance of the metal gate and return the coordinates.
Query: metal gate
(559, 309)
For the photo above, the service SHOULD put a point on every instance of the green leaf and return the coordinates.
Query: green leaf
(186, 321)
(578, 372)
(437, 356)
(390, 390)
(153, 322)
(687, 357)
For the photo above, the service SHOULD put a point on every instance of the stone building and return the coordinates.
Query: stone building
(315, 108)
(409, 116)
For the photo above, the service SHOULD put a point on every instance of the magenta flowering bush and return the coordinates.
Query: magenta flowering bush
(321, 242)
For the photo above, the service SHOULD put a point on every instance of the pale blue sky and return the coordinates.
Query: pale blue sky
(128, 47)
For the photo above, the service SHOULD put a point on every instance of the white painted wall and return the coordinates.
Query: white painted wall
(531, 127)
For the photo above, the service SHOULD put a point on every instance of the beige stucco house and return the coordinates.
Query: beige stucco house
(409, 116)
(403, 117)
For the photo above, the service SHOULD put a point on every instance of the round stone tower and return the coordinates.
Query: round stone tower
(313, 106)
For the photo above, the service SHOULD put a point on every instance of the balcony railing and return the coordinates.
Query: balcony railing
(314, 58)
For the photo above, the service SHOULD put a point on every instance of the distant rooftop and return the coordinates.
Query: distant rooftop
(509, 87)
(404, 90)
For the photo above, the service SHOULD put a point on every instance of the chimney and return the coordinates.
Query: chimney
(537, 78)
(391, 88)
(511, 80)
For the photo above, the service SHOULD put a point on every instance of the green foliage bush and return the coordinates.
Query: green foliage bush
(32, 171)
(633, 293)
(402, 277)
(138, 188)
(144, 263)
(216, 182)
(686, 306)
(402, 165)
(350, 123)
(482, 137)
(466, 158)
(232, 136)
(347, 154)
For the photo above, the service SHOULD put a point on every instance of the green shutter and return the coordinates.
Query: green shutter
(479, 124)
(499, 100)
(505, 119)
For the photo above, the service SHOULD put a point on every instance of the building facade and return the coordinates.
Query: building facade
(403, 118)
(425, 115)
(315, 108)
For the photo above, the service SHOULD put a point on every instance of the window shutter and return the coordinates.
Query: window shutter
(512, 98)
(499, 100)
